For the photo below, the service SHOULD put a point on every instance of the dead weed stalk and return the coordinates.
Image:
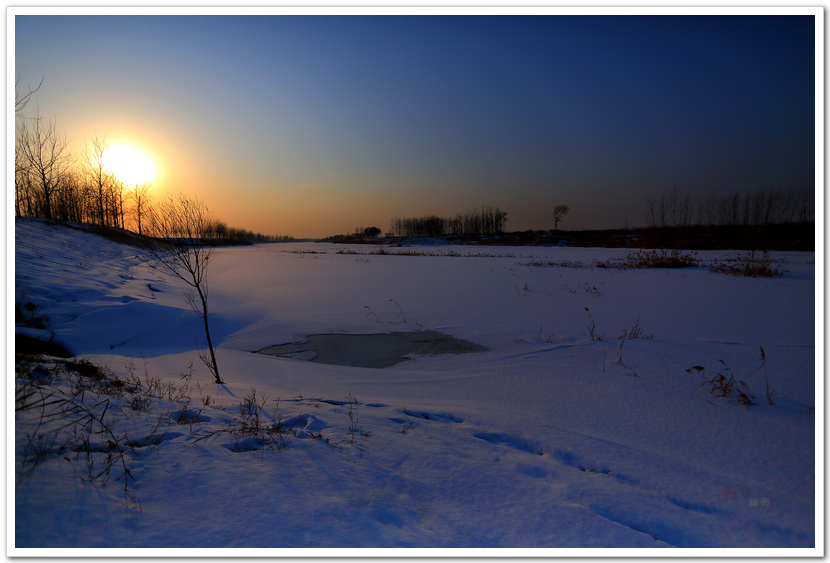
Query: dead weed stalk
(723, 383)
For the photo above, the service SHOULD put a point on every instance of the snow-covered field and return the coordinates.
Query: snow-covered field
(552, 439)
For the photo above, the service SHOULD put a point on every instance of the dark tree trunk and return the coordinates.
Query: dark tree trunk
(207, 334)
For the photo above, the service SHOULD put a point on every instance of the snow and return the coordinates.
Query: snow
(550, 443)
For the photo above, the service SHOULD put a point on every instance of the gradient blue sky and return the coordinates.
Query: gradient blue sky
(315, 125)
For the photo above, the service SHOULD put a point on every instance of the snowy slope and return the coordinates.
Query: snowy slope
(551, 439)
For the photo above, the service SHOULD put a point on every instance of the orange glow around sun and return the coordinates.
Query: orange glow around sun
(129, 165)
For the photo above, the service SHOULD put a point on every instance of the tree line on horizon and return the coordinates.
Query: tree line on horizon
(759, 207)
(220, 230)
(486, 220)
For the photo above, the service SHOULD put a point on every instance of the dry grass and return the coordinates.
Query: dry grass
(768, 392)
(751, 265)
(553, 263)
(253, 429)
(593, 333)
(87, 415)
(353, 413)
(635, 332)
(723, 383)
(388, 251)
(67, 409)
(660, 259)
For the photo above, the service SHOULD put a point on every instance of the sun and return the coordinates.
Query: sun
(129, 165)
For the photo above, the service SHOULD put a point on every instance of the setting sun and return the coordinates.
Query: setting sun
(129, 165)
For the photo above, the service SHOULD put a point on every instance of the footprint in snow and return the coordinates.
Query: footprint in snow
(693, 506)
(249, 444)
(515, 442)
(189, 416)
(437, 416)
(571, 460)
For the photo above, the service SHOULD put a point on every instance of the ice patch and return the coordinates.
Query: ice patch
(371, 350)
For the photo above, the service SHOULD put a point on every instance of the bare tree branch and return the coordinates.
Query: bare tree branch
(21, 101)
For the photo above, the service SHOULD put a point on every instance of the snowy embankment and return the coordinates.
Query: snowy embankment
(553, 438)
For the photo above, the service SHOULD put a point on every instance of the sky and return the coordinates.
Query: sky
(312, 126)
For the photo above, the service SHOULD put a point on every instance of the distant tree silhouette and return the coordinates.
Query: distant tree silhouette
(484, 221)
(371, 232)
(180, 224)
(558, 212)
(760, 207)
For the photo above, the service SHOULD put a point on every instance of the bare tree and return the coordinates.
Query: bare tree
(651, 209)
(758, 207)
(685, 209)
(24, 205)
(558, 212)
(67, 205)
(672, 199)
(180, 224)
(220, 229)
(117, 197)
(805, 204)
(662, 210)
(96, 175)
(43, 154)
(141, 203)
